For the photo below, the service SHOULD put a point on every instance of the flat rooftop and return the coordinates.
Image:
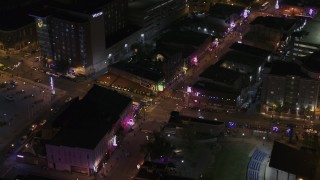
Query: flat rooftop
(220, 74)
(138, 70)
(242, 58)
(312, 29)
(225, 10)
(279, 23)
(282, 68)
(183, 38)
(185, 51)
(84, 123)
(312, 62)
(111, 79)
(293, 160)
(142, 5)
(218, 90)
(251, 50)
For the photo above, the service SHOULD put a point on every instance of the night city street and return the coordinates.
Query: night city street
(159, 90)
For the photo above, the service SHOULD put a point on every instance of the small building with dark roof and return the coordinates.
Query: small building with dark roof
(243, 63)
(218, 88)
(224, 76)
(251, 50)
(226, 11)
(294, 161)
(88, 130)
(269, 32)
(17, 28)
(277, 23)
(144, 76)
(189, 43)
(287, 86)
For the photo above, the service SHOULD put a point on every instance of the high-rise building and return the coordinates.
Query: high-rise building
(154, 15)
(73, 34)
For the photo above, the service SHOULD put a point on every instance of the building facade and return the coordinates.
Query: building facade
(74, 34)
(155, 15)
(289, 91)
(87, 137)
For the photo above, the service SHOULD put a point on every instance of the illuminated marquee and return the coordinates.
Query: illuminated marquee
(97, 14)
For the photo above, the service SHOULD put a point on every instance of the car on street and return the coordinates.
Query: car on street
(43, 122)
(33, 127)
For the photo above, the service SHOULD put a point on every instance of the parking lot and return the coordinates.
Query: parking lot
(22, 101)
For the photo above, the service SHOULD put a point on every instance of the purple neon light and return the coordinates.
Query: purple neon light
(276, 129)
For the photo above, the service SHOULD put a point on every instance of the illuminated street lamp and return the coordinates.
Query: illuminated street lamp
(277, 5)
(142, 38)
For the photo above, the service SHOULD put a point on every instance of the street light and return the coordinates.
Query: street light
(142, 38)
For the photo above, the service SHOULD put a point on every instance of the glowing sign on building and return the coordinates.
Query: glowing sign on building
(246, 13)
(130, 122)
(195, 60)
(97, 14)
(189, 90)
(160, 87)
(310, 12)
(52, 86)
(114, 141)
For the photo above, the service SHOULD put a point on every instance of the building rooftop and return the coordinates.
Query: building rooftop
(293, 160)
(113, 80)
(190, 38)
(282, 68)
(225, 10)
(140, 71)
(219, 90)
(301, 2)
(85, 122)
(242, 58)
(312, 32)
(143, 5)
(220, 74)
(312, 62)
(251, 50)
(121, 34)
(279, 23)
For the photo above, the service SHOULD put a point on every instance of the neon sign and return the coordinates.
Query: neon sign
(114, 141)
